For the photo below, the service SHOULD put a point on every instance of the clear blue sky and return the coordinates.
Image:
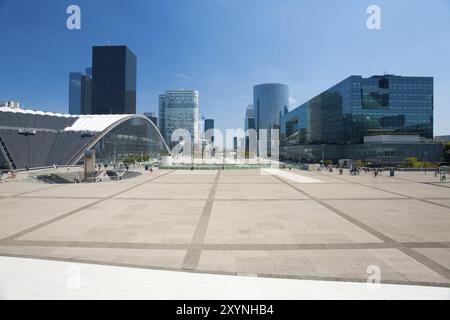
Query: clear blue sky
(224, 47)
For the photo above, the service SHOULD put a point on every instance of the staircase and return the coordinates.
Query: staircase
(7, 155)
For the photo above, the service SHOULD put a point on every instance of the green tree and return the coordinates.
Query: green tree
(413, 163)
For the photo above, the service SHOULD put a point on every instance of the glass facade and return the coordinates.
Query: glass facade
(269, 100)
(134, 137)
(209, 125)
(178, 109)
(358, 107)
(33, 139)
(114, 80)
(75, 93)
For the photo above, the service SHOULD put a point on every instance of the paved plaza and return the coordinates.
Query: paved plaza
(267, 223)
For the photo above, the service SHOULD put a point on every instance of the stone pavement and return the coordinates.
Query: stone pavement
(287, 224)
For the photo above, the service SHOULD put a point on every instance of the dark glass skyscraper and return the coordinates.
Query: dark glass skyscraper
(114, 80)
(75, 93)
(80, 92)
(209, 125)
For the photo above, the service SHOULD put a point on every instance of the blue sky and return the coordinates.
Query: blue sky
(224, 47)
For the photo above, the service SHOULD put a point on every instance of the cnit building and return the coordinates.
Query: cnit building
(382, 120)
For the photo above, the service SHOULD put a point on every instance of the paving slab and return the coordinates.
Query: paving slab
(281, 222)
(417, 190)
(401, 220)
(169, 191)
(8, 189)
(439, 255)
(168, 259)
(123, 221)
(256, 192)
(344, 191)
(82, 190)
(17, 214)
(325, 264)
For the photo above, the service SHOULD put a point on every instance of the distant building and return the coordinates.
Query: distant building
(10, 104)
(442, 138)
(269, 100)
(80, 92)
(250, 121)
(113, 80)
(209, 126)
(179, 109)
(382, 120)
(152, 116)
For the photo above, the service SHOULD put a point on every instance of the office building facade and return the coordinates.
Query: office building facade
(340, 121)
(113, 80)
(80, 93)
(269, 101)
(152, 116)
(209, 130)
(10, 104)
(179, 109)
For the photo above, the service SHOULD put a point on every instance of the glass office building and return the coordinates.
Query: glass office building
(178, 109)
(357, 108)
(80, 92)
(209, 129)
(113, 80)
(269, 101)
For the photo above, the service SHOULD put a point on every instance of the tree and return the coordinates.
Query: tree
(447, 152)
(412, 162)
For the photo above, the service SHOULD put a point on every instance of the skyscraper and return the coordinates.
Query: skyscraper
(178, 109)
(250, 118)
(113, 80)
(269, 100)
(152, 116)
(75, 93)
(80, 90)
(209, 125)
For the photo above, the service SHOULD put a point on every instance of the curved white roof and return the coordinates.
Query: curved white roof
(88, 123)
(95, 123)
(6, 109)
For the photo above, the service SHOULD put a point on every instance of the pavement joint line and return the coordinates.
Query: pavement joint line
(226, 246)
(392, 192)
(230, 273)
(28, 192)
(192, 257)
(352, 220)
(432, 265)
(72, 212)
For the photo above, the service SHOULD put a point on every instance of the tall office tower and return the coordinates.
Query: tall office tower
(250, 118)
(269, 100)
(209, 125)
(152, 116)
(113, 80)
(80, 92)
(75, 92)
(178, 109)
(162, 114)
(250, 124)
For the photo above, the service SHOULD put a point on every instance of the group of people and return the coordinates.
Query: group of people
(442, 174)
(11, 175)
